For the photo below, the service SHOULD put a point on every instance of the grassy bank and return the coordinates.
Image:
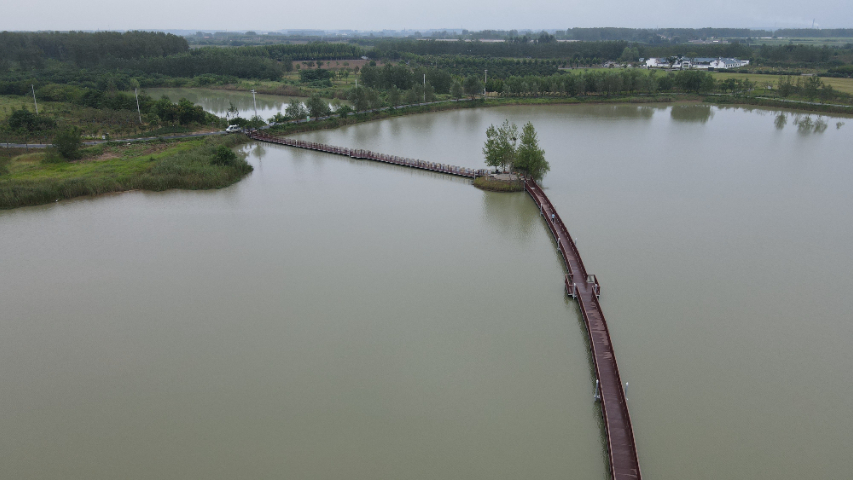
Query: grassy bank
(495, 185)
(28, 179)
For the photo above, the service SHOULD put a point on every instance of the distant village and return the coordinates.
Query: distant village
(699, 63)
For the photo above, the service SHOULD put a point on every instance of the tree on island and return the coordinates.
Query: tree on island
(527, 157)
(500, 149)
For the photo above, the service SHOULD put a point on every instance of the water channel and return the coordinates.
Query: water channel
(218, 102)
(330, 318)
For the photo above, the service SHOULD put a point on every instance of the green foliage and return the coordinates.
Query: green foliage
(472, 86)
(397, 48)
(295, 110)
(344, 111)
(25, 121)
(394, 96)
(316, 75)
(30, 49)
(278, 118)
(500, 146)
(68, 143)
(184, 112)
(188, 165)
(456, 90)
(317, 106)
(404, 77)
(364, 98)
(224, 156)
(529, 157)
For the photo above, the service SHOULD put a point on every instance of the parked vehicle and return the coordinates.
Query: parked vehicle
(233, 129)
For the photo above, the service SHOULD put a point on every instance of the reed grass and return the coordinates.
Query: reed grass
(183, 164)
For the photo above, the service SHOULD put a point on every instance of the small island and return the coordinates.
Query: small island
(517, 157)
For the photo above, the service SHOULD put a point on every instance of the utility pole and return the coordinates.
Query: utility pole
(34, 98)
(425, 88)
(136, 92)
(254, 102)
(485, 80)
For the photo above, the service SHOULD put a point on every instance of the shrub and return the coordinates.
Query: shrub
(68, 143)
(224, 156)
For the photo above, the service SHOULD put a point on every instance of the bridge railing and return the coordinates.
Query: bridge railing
(623, 405)
(367, 154)
(557, 227)
(604, 402)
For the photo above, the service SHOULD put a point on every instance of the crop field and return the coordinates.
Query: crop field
(844, 85)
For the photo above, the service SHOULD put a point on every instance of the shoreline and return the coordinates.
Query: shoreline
(69, 187)
(188, 164)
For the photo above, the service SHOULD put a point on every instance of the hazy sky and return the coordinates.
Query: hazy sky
(397, 15)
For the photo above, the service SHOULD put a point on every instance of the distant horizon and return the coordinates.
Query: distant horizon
(376, 15)
(411, 30)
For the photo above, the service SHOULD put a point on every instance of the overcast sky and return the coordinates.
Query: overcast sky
(398, 15)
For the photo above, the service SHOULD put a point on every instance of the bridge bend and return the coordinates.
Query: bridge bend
(621, 449)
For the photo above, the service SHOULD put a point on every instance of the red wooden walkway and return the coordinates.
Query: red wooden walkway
(368, 155)
(621, 448)
(579, 284)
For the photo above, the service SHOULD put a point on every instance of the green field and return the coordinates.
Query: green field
(843, 85)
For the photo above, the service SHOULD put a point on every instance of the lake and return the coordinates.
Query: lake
(329, 317)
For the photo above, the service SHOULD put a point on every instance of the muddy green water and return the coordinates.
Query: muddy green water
(331, 318)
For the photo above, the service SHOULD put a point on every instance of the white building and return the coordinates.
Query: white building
(657, 63)
(724, 63)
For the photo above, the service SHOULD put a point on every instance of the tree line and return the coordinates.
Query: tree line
(395, 48)
(85, 49)
(660, 35)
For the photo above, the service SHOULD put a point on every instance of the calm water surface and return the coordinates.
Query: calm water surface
(329, 318)
(218, 102)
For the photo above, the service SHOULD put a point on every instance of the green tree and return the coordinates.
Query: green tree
(499, 149)
(295, 110)
(811, 87)
(224, 156)
(472, 86)
(456, 90)
(529, 157)
(360, 98)
(413, 96)
(68, 143)
(317, 106)
(344, 111)
(429, 92)
(394, 96)
(278, 118)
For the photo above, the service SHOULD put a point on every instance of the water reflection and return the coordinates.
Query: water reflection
(622, 111)
(805, 125)
(511, 214)
(781, 121)
(692, 113)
